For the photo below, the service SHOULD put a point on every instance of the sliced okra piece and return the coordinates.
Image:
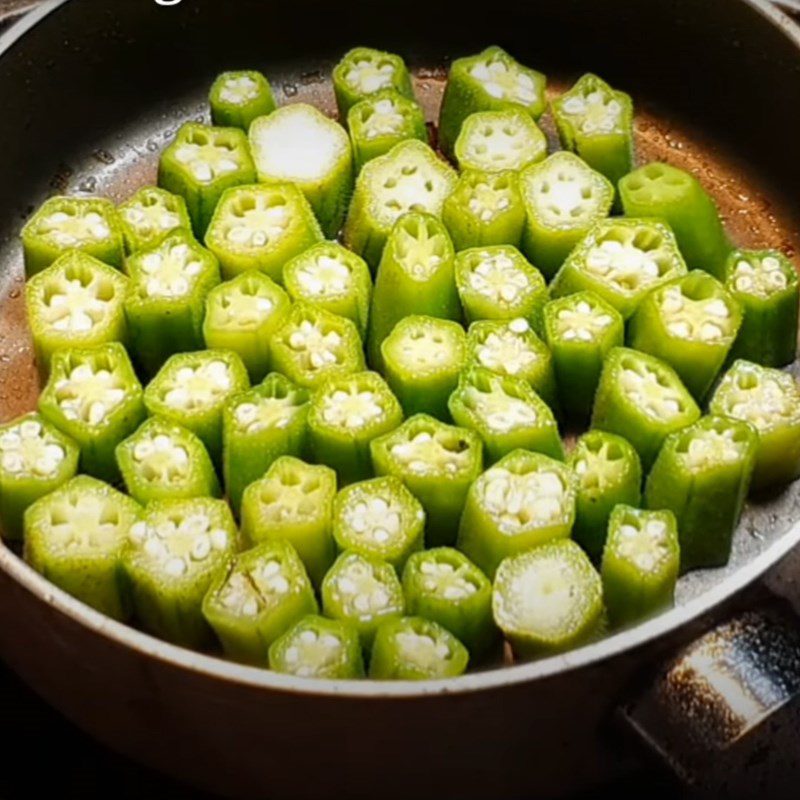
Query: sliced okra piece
(75, 536)
(95, 397)
(409, 177)
(242, 314)
(162, 461)
(438, 463)
(691, 323)
(770, 401)
(237, 98)
(678, 198)
(345, 414)
(764, 282)
(150, 215)
(580, 329)
(293, 502)
(298, 144)
(640, 565)
(489, 81)
(641, 398)
(506, 413)
(702, 475)
(173, 553)
(596, 122)
(36, 458)
(422, 359)
(564, 198)
(88, 224)
(608, 473)
(256, 598)
(317, 647)
(201, 164)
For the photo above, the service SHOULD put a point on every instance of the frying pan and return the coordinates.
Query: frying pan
(93, 90)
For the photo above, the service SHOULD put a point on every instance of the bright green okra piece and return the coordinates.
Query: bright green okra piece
(36, 458)
(257, 598)
(678, 198)
(94, 396)
(764, 282)
(237, 98)
(88, 224)
(438, 463)
(640, 565)
(150, 215)
(75, 536)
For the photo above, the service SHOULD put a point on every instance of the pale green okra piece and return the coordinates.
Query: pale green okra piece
(239, 97)
(150, 215)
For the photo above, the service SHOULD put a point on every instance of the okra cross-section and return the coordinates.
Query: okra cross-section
(298, 144)
(525, 500)
(702, 475)
(238, 98)
(151, 214)
(75, 536)
(257, 598)
(438, 463)
(94, 396)
(641, 398)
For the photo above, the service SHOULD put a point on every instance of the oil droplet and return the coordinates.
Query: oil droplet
(104, 157)
(88, 184)
(289, 89)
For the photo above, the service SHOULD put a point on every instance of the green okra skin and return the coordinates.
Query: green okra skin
(764, 283)
(580, 330)
(491, 80)
(298, 144)
(416, 649)
(596, 122)
(150, 215)
(641, 398)
(261, 227)
(88, 224)
(548, 600)
(201, 164)
(506, 413)
(256, 598)
(702, 474)
(259, 426)
(242, 314)
(410, 177)
(76, 302)
(640, 565)
(239, 97)
(36, 458)
(191, 390)
(422, 359)
(525, 500)
(293, 502)
(173, 554)
(164, 461)
(678, 198)
(316, 647)
(331, 277)
(94, 396)
(564, 198)
(769, 400)
(345, 414)
(75, 536)
(608, 473)
(438, 463)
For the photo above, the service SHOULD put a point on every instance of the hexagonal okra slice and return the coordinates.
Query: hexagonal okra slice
(770, 401)
(564, 198)
(162, 460)
(298, 144)
(548, 599)
(422, 359)
(237, 98)
(438, 463)
(94, 396)
(151, 214)
(596, 122)
(75, 536)
(764, 283)
(88, 224)
(35, 459)
(201, 164)
(409, 177)
(641, 398)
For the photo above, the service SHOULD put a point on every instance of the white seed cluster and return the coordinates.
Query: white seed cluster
(424, 454)
(597, 112)
(261, 587)
(646, 391)
(89, 394)
(238, 90)
(385, 120)
(209, 161)
(761, 279)
(444, 579)
(562, 193)
(597, 469)
(170, 271)
(267, 412)
(74, 228)
(377, 519)
(507, 350)
(704, 320)
(421, 649)
(623, 265)
(318, 348)
(582, 323)
(709, 448)
(498, 278)
(487, 202)
(260, 224)
(419, 251)
(83, 522)
(324, 276)
(193, 388)
(26, 449)
(505, 82)
(423, 349)
(522, 501)
(351, 408)
(500, 144)
(151, 218)
(311, 654)
(367, 76)
(160, 458)
(241, 309)
(762, 399)
(360, 589)
(500, 411)
(645, 544)
(74, 306)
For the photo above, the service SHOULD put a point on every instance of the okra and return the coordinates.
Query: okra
(238, 98)
(150, 215)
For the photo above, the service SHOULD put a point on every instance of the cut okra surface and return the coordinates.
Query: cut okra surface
(238, 98)
(150, 215)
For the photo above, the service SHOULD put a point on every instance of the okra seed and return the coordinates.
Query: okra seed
(764, 403)
(385, 120)
(239, 90)
(624, 265)
(169, 271)
(258, 224)
(766, 277)
(426, 454)
(208, 161)
(644, 544)
(505, 351)
(500, 411)
(688, 318)
(420, 648)
(582, 323)
(324, 276)
(497, 278)
(367, 77)
(505, 82)
(90, 394)
(71, 230)
(647, 391)
(149, 219)
(269, 412)
(197, 387)
(351, 409)
(319, 347)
